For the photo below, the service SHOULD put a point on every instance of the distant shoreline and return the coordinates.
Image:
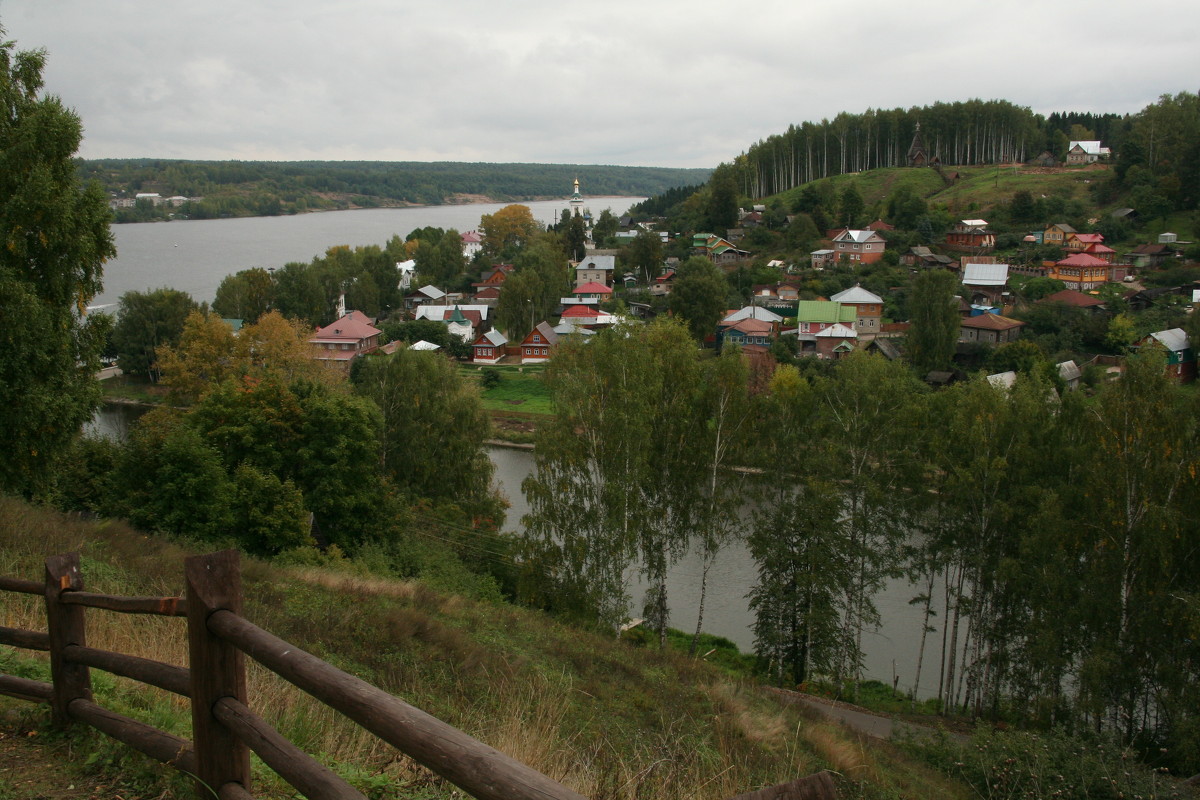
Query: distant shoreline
(480, 202)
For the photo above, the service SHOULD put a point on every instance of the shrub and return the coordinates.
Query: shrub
(1004, 764)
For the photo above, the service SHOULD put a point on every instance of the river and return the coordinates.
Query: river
(193, 256)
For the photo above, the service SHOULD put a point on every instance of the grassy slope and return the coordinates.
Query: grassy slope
(978, 187)
(605, 718)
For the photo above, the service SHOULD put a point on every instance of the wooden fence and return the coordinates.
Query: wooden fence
(224, 728)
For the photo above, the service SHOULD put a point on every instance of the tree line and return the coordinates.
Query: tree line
(244, 188)
(1049, 532)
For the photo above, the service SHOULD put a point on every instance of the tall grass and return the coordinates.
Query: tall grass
(607, 719)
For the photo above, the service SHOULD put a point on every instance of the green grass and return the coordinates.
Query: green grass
(521, 389)
(132, 389)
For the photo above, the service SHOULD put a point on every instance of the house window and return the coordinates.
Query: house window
(537, 338)
(868, 247)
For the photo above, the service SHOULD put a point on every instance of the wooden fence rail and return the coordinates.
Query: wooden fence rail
(224, 728)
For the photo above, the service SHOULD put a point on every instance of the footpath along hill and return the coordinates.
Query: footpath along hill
(602, 716)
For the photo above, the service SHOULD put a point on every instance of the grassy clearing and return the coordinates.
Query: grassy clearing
(520, 389)
(606, 718)
(132, 389)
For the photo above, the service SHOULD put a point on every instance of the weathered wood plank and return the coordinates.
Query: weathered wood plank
(482, 771)
(161, 606)
(818, 786)
(25, 689)
(217, 669)
(65, 625)
(144, 738)
(164, 676)
(21, 586)
(234, 791)
(30, 640)
(309, 776)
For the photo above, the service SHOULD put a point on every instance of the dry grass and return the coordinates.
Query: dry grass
(590, 712)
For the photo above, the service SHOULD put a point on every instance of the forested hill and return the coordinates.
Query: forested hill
(963, 133)
(257, 188)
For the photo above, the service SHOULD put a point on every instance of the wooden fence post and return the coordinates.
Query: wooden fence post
(65, 625)
(217, 670)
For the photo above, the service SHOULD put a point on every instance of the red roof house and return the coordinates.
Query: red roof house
(344, 339)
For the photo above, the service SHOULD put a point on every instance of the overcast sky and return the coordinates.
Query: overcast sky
(649, 83)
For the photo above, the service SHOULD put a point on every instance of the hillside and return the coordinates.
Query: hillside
(605, 717)
(975, 189)
(260, 188)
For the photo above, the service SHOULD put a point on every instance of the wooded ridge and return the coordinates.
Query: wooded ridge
(260, 188)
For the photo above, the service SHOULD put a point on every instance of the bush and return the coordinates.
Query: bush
(490, 378)
(1003, 764)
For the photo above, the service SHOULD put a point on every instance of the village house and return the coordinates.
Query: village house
(476, 314)
(539, 345)
(345, 339)
(865, 247)
(1086, 152)
(747, 332)
(597, 269)
(488, 348)
(1150, 255)
(584, 316)
(426, 295)
(1181, 357)
(1079, 242)
(971, 233)
(1076, 299)
(921, 256)
(588, 294)
(820, 259)
(824, 329)
(868, 308)
(990, 329)
(472, 244)
(1080, 271)
(1057, 234)
(716, 249)
(661, 286)
(407, 271)
(986, 285)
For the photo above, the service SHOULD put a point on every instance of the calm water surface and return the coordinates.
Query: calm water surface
(195, 255)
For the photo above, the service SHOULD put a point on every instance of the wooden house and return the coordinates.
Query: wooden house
(539, 345)
(1057, 234)
(989, 329)
(971, 233)
(1080, 271)
(1181, 357)
(488, 348)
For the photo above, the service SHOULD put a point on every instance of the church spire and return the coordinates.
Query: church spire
(917, 157)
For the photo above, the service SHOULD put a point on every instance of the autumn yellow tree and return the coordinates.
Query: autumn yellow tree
(209, 353)
(506, 231)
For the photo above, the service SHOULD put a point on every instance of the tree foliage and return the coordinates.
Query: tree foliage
(434, 426)
(55, 240)
(699, 296)
(934, 321)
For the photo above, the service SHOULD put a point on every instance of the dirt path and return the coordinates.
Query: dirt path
(855, 718)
